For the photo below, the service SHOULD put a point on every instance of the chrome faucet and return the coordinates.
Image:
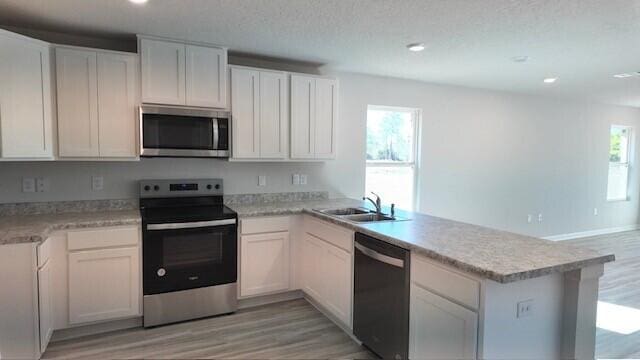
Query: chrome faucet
(377, 202)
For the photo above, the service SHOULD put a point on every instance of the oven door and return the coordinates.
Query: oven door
(180, 256)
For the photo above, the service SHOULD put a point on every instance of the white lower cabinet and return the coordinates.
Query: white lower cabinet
(264, 263)
(439, 328)
(328, 272)
(45, 304)
(103, 284)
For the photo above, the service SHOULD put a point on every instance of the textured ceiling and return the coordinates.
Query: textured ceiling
(469, 42)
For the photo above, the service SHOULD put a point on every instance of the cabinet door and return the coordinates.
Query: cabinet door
(439, 328)
(163, 72)
(206, 80)
(77, 103)
(325, 119)
(45, 304)
(264, 263)
(245, 113)
(117, 104)
(303, 93)
(337, 277)
(312, 256)
(103, 284)
(25, 99)
(273, 119)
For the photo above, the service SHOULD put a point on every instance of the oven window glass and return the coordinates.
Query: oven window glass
(177, 132)
(192, 250)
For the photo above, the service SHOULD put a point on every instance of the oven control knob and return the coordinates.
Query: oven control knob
(161, 272)
(217, 186)
(209, 187)
(147, 188)
(156, 187)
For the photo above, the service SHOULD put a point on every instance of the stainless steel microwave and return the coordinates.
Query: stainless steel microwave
(183, 132)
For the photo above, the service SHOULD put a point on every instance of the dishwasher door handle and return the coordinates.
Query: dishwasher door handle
(380, 257)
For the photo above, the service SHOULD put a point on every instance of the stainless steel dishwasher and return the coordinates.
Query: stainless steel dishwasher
(381, 297)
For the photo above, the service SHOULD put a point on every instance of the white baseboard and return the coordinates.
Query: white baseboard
(582, 234)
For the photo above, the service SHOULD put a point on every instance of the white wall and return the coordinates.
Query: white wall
(72, 180)
(492, 158)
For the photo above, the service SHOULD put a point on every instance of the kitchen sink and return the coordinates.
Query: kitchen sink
(359, 215)
(345, 211)
(372, 217)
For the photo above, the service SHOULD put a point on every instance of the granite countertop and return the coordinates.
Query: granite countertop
(497, 255)
(20, 229)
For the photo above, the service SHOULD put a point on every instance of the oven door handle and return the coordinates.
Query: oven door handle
(191, 225)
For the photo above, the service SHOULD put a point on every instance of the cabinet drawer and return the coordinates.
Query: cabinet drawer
(102, 238)
(332, 234)
(264, 225)
(44, 252)
(444, 282)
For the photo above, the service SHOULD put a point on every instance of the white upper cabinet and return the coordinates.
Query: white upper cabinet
(206, 80)
(163, 72)
(97, 99)
(25, 98)
(77, 103)
(117, 104)
(314, 109)
(259, 113)
(245, 113)
(175, 73)
(325, 120)
(303, 93)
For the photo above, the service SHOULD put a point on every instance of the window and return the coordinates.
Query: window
(391, 154)
(619, 153)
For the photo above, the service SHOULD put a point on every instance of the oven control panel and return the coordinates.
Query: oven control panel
(180, 188)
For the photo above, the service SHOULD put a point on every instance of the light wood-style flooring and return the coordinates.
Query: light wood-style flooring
(619, 285)
(287, 330)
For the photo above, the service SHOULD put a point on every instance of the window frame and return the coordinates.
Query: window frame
(626, 164)
(416, 117)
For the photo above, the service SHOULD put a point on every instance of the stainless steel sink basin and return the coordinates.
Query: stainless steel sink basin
(344, 211)
(372, 217)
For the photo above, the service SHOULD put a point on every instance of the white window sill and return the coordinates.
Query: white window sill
(619, 200)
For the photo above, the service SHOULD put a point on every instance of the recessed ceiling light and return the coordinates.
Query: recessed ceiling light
(138, 2)
(621, 76)
(416, 47)
(550, 80)
(520, 59)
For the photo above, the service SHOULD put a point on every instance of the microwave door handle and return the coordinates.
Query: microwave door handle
(216, 133)
(191, 225)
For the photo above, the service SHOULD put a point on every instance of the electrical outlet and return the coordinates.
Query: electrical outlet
(295, 179)
(529, 218)
(595, 211)
(97, 183)
(42, 185)
(525, 308)
(540, 217)
(303, 179)
(262, 180)
(28, 185)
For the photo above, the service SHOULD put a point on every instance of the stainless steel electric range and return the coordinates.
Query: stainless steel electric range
(189, 247)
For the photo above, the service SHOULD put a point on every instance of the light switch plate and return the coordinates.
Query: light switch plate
(262, 180)
(303, 179)
(295, 179)
(97, 183)
(28, 185)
